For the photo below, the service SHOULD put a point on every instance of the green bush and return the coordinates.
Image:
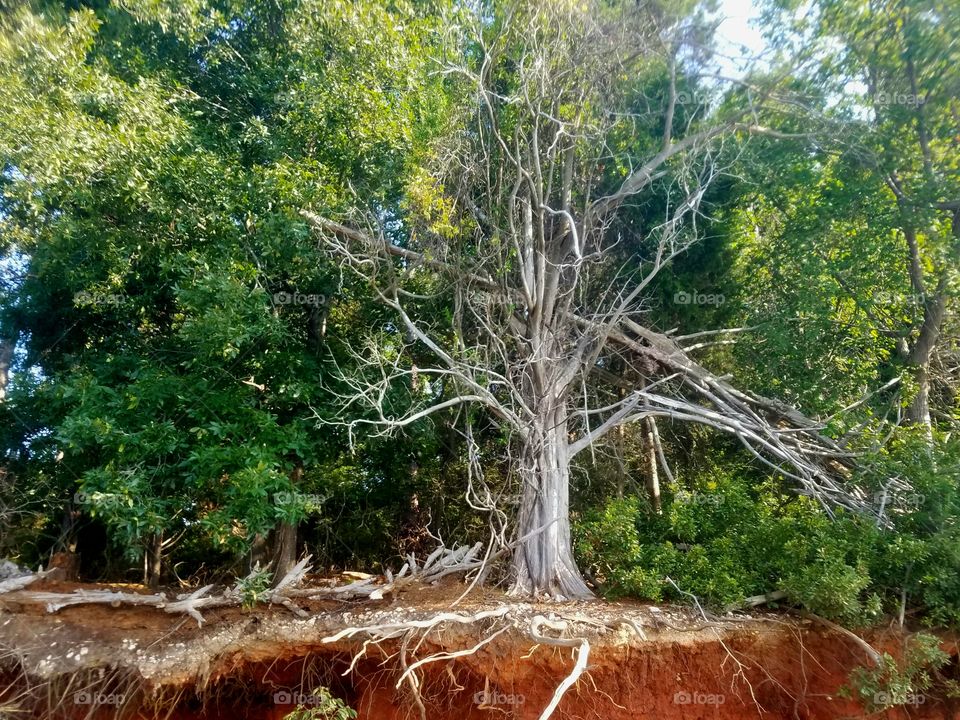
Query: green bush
(727, 539)
(892, 683)
(727, 536)
(322, 706)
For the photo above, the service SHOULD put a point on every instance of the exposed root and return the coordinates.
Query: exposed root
(437, 657)
(393, 630)
(541, 629)
(583, 654)
(867, 648)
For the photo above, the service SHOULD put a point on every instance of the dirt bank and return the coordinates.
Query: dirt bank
(136, 662)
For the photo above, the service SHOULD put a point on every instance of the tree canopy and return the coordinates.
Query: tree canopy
(359, 278)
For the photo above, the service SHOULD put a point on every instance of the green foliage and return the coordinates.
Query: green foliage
(921, 553)
(254, 588)
(322, 706)
(729, 538)
(821, 231)
(732, 536)
(155, 159)
(892, 682)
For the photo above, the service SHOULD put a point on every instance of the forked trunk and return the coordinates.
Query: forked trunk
(544, 564)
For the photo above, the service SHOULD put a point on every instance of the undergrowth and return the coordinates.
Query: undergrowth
(724, 536)
(321, 705)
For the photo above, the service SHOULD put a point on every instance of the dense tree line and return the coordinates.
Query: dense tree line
(354, 278)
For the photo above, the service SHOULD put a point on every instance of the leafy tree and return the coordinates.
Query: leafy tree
(858, 239)
(175, 310)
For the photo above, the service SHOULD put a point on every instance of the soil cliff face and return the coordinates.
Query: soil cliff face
(782, 671)
(97, 662)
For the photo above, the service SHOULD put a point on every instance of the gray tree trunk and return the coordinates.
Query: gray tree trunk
(284, 549)
(921, 354)
(544, 561)
(7, 346)
(653, 476)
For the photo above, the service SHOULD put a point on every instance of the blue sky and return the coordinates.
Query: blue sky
(736, 37)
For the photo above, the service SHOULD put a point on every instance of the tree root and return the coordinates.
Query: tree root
(541, 629)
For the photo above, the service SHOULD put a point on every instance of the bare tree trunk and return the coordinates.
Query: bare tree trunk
(259, 552)
(653, 477)
(542, 324)
(544, 563)
(152, 560)
(621, 450)
(7, 346)
(284, 549)
(64, 555)
(920, 356)
(918, 412)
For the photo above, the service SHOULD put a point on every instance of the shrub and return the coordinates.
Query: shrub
(322, 706)
(894, 683)
(724, 540)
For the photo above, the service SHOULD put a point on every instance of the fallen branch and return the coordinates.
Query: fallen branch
(18, 583)
(755, 600)
(442, 562)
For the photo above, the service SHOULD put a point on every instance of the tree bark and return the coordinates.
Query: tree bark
(653, 477)
(921, 353)
(285, 535)
(544, 561)
(7, 346)
(284, 550)
(153, 561)
(259, 552)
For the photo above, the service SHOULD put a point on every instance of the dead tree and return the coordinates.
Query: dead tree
(539, 314)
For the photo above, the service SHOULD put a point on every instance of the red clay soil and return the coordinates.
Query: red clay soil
(142, 663)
